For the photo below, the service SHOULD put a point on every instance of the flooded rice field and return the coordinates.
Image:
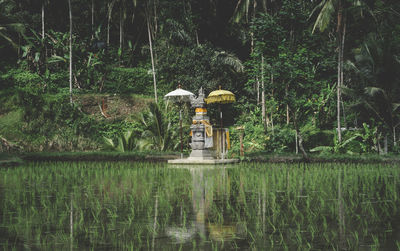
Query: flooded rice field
(132, 205)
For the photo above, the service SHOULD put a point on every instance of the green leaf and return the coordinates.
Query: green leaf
(56, 59)
(322, 149)
(109, 142)
(37, 56)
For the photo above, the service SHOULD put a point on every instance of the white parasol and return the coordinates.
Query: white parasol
(179, 96)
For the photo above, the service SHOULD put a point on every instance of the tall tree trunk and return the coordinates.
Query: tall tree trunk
(109, 13)
(42, 20)
(339, 130)
(296, 142)
(299, 136)
(264, 4)
(287, 115)
(108, 31)
(300, 142)
(197, 38)
(341, 33)
(121, 28)
(272, 108)
(70, 51)
(155, 17)
(262, 92)
(385, 144)
(43, 35)
(195, 28)
(251, 32)
(287, 106)
(258, 90)
(92, 27)
(152, 60)
(394, 134)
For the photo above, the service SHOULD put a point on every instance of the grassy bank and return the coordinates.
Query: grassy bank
(321, 158)
(99, 156)
(37, 123)
(7, 159)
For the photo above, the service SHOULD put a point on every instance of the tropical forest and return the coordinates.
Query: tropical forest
(300, 150)
(308, 76)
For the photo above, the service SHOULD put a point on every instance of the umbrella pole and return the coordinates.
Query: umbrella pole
(180, 122)
(222, 133)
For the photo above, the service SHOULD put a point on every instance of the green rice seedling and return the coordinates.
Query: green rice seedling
(375, 240)
(114, 202)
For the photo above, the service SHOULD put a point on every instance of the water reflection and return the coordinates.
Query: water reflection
(203, 195)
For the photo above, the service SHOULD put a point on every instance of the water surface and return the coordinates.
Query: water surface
(125, 205)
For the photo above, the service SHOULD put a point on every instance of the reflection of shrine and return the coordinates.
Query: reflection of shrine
(204, 182)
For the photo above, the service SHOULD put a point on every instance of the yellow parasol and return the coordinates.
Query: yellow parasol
(221, 97)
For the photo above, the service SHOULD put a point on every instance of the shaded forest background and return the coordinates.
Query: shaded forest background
(309, 76)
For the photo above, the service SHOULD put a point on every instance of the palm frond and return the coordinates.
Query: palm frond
(373, 91)
(109, 143)
(324, 16)
(121, 146)
(225, 58)
(349, 65)
(318, 7)
(241, 10)
(395, 106)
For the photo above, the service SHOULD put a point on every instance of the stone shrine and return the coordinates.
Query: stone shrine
(201, 130)
(202, 137)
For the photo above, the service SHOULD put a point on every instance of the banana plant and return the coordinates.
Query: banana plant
(365, 138)
(126, 142)
(338, 146)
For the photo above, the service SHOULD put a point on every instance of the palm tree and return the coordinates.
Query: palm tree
(152, 59)
(158, 133)
(228, 59)
(379, 69)
(243, 9)
(327, 9)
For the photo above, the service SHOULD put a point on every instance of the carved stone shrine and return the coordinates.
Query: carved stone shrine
(201, 130)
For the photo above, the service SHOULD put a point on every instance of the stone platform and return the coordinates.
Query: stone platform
(199, 161)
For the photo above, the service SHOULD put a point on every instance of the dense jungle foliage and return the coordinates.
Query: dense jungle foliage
(309, 75)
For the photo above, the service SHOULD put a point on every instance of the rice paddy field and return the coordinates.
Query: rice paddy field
(147, 206)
